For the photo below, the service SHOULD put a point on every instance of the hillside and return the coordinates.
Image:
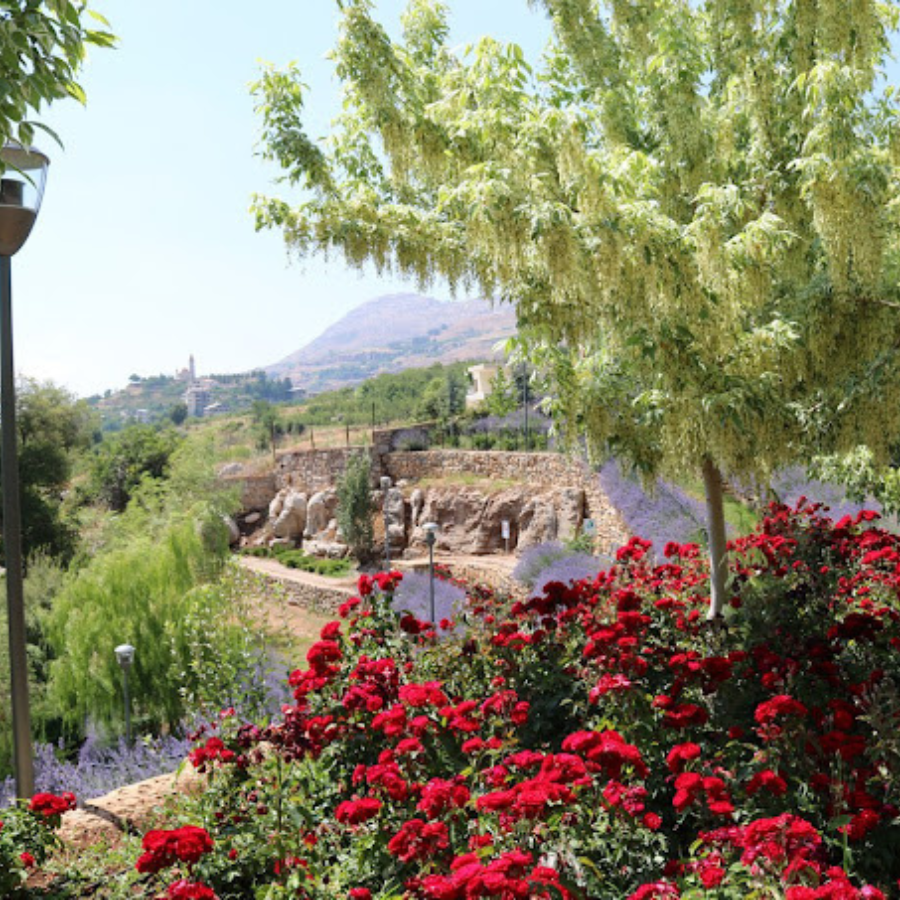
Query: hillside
(390, 333)
(394, 332)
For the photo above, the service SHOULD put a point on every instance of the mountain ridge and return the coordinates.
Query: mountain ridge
(392, 332)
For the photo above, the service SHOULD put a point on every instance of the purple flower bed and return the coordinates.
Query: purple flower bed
(412, 596)
(99, 770)
(792, 484)
(569, 568)
(538, 423)
(668, 515)
(533, 560)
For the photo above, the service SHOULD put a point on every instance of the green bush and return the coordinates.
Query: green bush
(355, 508)
(297, 559)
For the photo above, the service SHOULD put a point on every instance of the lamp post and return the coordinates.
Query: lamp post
(22, 176)
(430, 529)
(385, 487)
(125, 658)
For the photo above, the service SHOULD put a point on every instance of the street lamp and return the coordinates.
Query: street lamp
(385, 487)
(23, 172)
(430, 529)
(125, 658)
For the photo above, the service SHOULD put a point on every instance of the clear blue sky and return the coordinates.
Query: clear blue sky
(144, 251)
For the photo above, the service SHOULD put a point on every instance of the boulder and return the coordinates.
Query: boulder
(291, 521)
(252, 518)
(395, 517)
(234, 533)
(317, 516)
(505, 506)
(276, 506)
(416, 502)
(329, 549)
(538, 522)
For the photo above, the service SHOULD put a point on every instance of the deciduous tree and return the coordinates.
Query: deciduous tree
(693, 205)
(42, 46)
(52, 428)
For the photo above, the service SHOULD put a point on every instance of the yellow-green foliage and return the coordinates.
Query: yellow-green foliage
(697, 200)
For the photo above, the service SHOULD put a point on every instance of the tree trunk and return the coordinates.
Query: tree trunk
(715, 522)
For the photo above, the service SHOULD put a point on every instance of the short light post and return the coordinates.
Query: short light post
(23, 174)
(504, 533)
(125, 658)
(385, 487)
(431, 529)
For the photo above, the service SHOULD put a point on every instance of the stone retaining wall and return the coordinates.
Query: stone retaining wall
(316, 470)
(316, 598)
(257, 491)
(546, 469)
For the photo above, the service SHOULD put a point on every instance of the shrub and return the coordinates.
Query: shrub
(297, 559)
(98, 769)
(533, 560)
(665, 514)
(597, 740)
(412, 595)
(355, 507)
(27, 834)
(567, 569)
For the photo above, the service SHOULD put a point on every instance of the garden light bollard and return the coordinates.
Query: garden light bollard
(22, 179)
(125, 658)
(385, 487)
(431, 529)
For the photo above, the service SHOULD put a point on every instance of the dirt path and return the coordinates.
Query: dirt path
(263, 566)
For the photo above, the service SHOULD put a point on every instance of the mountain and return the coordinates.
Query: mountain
(394, 332)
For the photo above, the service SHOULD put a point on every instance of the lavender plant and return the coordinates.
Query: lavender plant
(793, 483)
(533, 560)
(99, 769)
(569, 568)
(666, 514)
(412, 595)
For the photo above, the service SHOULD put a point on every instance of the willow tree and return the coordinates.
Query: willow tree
(692, 203)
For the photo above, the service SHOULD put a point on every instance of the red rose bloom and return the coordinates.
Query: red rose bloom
(189, 890)
(354, 812)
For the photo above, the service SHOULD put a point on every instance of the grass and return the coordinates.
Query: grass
(470, 480)
(740, 518)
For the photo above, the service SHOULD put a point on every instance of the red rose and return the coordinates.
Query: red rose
(189, 890)
(354, 812)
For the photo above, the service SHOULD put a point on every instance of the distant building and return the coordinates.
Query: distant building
(189, 374)
(482, 377)
(196, 398)
(214, 408)
(298, 393)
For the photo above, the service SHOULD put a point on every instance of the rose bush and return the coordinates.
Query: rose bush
(27, 835)
(597, 740)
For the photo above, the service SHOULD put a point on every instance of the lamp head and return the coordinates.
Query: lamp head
(23, 173)
(125, 655)
(385, 482)
(431, 529)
